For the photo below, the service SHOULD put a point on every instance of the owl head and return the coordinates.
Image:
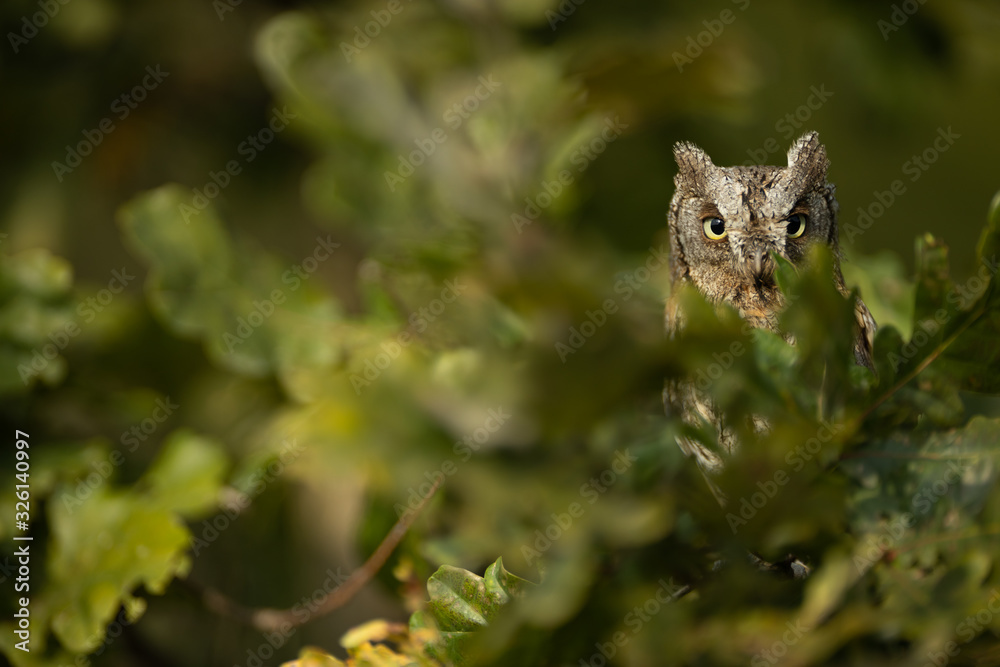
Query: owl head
(726, 221)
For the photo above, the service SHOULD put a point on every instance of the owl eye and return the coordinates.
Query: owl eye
(715, 228)
(796, 225)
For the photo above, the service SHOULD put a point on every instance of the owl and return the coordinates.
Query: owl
(724, 224)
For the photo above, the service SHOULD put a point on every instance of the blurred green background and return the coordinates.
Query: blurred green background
(888, 93)
(742, 79)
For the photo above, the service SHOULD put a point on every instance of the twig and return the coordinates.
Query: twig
(926, 456)
(267, 620)
(992, 530)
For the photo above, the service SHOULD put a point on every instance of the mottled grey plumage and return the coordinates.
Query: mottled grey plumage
(760, 210)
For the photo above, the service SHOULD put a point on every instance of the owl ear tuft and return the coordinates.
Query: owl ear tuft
(807, 160)
(694, 166)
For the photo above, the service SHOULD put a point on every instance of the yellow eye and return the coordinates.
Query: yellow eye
(795, 225)
(715, 228)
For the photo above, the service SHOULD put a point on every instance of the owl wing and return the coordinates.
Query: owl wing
(864, 342)
(682, 399)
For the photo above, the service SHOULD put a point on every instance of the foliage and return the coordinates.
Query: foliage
(460, 603)
(440, 311)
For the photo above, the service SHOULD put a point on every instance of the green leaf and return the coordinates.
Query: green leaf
(36, 320)
(187, 475)
(989, 241)
(917, 487)
(462, 602)
(194, 283)
(822, 321)
(190, 256)
(255, 314)
(885, 286)
(109, 541)
(933, 277)
(102, 549)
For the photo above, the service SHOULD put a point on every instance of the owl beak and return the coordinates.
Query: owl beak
(759, 259)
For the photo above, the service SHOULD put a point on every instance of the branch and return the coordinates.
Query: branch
(267, 620)
(992, 530)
